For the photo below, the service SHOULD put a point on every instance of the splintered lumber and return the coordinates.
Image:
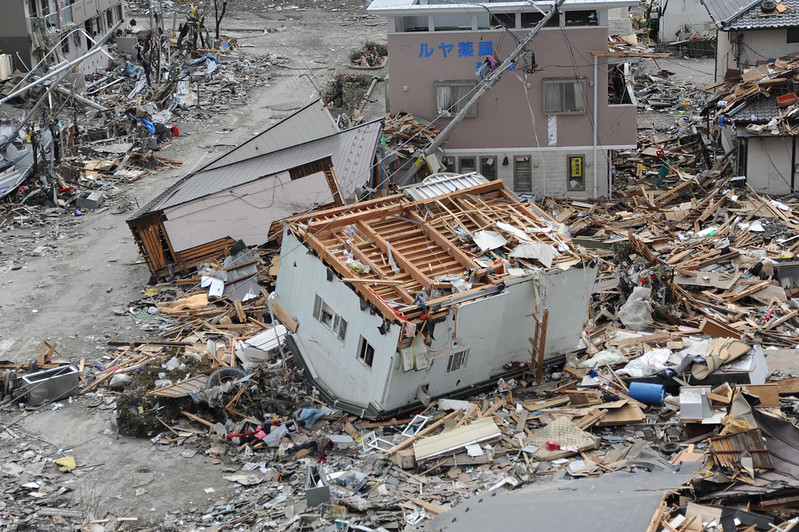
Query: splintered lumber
(198, 419)
(422, 433)
(429, 507)
(718, 329)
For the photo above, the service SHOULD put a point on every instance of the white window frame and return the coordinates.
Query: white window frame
(363, 347)
(457, 361)
(561, 107)
(332, 321)
(454, 101)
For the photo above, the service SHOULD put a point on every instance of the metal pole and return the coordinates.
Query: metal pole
(94, 49)
(489, 82)
(596, 114)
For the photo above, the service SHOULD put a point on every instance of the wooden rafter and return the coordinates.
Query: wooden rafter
(382, 275)
(445, 244)
(399, 258)
(342, 269)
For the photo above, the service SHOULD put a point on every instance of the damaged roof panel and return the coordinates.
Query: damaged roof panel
(397, 247)
(309, 123)
(347, 149)
(436, 185)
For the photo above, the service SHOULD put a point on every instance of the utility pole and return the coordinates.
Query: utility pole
(485, 85)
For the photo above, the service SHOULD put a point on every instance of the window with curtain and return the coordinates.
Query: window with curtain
(564, 96)
(452, 96)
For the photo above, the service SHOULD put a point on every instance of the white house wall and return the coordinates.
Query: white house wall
(334, 364)
(769, 165)
(244, 212)
(497, 329)
(758, 46)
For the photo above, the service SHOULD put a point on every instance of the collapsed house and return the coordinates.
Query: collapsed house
(754, 111)
(427, 293)
(241, 194)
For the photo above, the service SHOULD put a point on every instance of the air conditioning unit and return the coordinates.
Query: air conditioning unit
(6, 66)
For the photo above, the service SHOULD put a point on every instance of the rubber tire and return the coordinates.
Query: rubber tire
(768, 6)
(669, 447)
(223, 375)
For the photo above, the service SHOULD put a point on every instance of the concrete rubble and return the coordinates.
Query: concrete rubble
(676, 389)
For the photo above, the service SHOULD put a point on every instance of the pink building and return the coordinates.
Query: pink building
(548, 125)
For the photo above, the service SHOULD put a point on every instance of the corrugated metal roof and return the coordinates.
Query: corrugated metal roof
(352, 152)
(312, 122)
(438, 184)
(747, 15)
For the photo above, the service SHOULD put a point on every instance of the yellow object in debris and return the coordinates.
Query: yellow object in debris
(150, 292)
(66, 463)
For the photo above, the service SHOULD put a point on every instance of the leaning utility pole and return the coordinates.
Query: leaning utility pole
(485, 85)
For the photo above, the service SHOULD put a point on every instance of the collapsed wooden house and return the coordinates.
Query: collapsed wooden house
(427, 293)
(241, 194)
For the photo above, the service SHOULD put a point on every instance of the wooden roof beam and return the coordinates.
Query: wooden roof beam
(399, 258)
(400, 290)
(439, 238)
(342, 269)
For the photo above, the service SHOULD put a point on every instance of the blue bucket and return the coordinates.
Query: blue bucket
(647, 393)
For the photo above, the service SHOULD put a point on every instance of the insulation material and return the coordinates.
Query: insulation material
(543, 253)
(486, 240)
(569, 437)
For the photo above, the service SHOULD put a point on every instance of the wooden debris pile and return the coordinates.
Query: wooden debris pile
(708, 252)
(407, 136)
(761, 99)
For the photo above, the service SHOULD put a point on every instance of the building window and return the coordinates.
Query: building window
(366, 353)
(530, 20)
(576, 173)
(488, 167)
(504, 20)
(582, 18)
(325, 315)
(448, 163)
(109, 17)
(522, 174)
(793, 34)
(457, 361)
(452, 96)
(466, 165)
(119, 11)
(564, 96)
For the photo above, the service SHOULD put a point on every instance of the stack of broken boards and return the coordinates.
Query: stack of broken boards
(722, 254)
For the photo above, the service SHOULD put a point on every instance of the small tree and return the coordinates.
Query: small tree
(218, 16)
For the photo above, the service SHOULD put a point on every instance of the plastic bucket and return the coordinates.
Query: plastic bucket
(647, 393)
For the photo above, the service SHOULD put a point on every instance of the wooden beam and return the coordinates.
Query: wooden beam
(280, 313)
(399, 258)
(439, 238)
(342, 269)
(399, 289)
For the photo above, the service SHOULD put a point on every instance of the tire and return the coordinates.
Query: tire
(768, 6)
(223, 375)
(669, 447)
